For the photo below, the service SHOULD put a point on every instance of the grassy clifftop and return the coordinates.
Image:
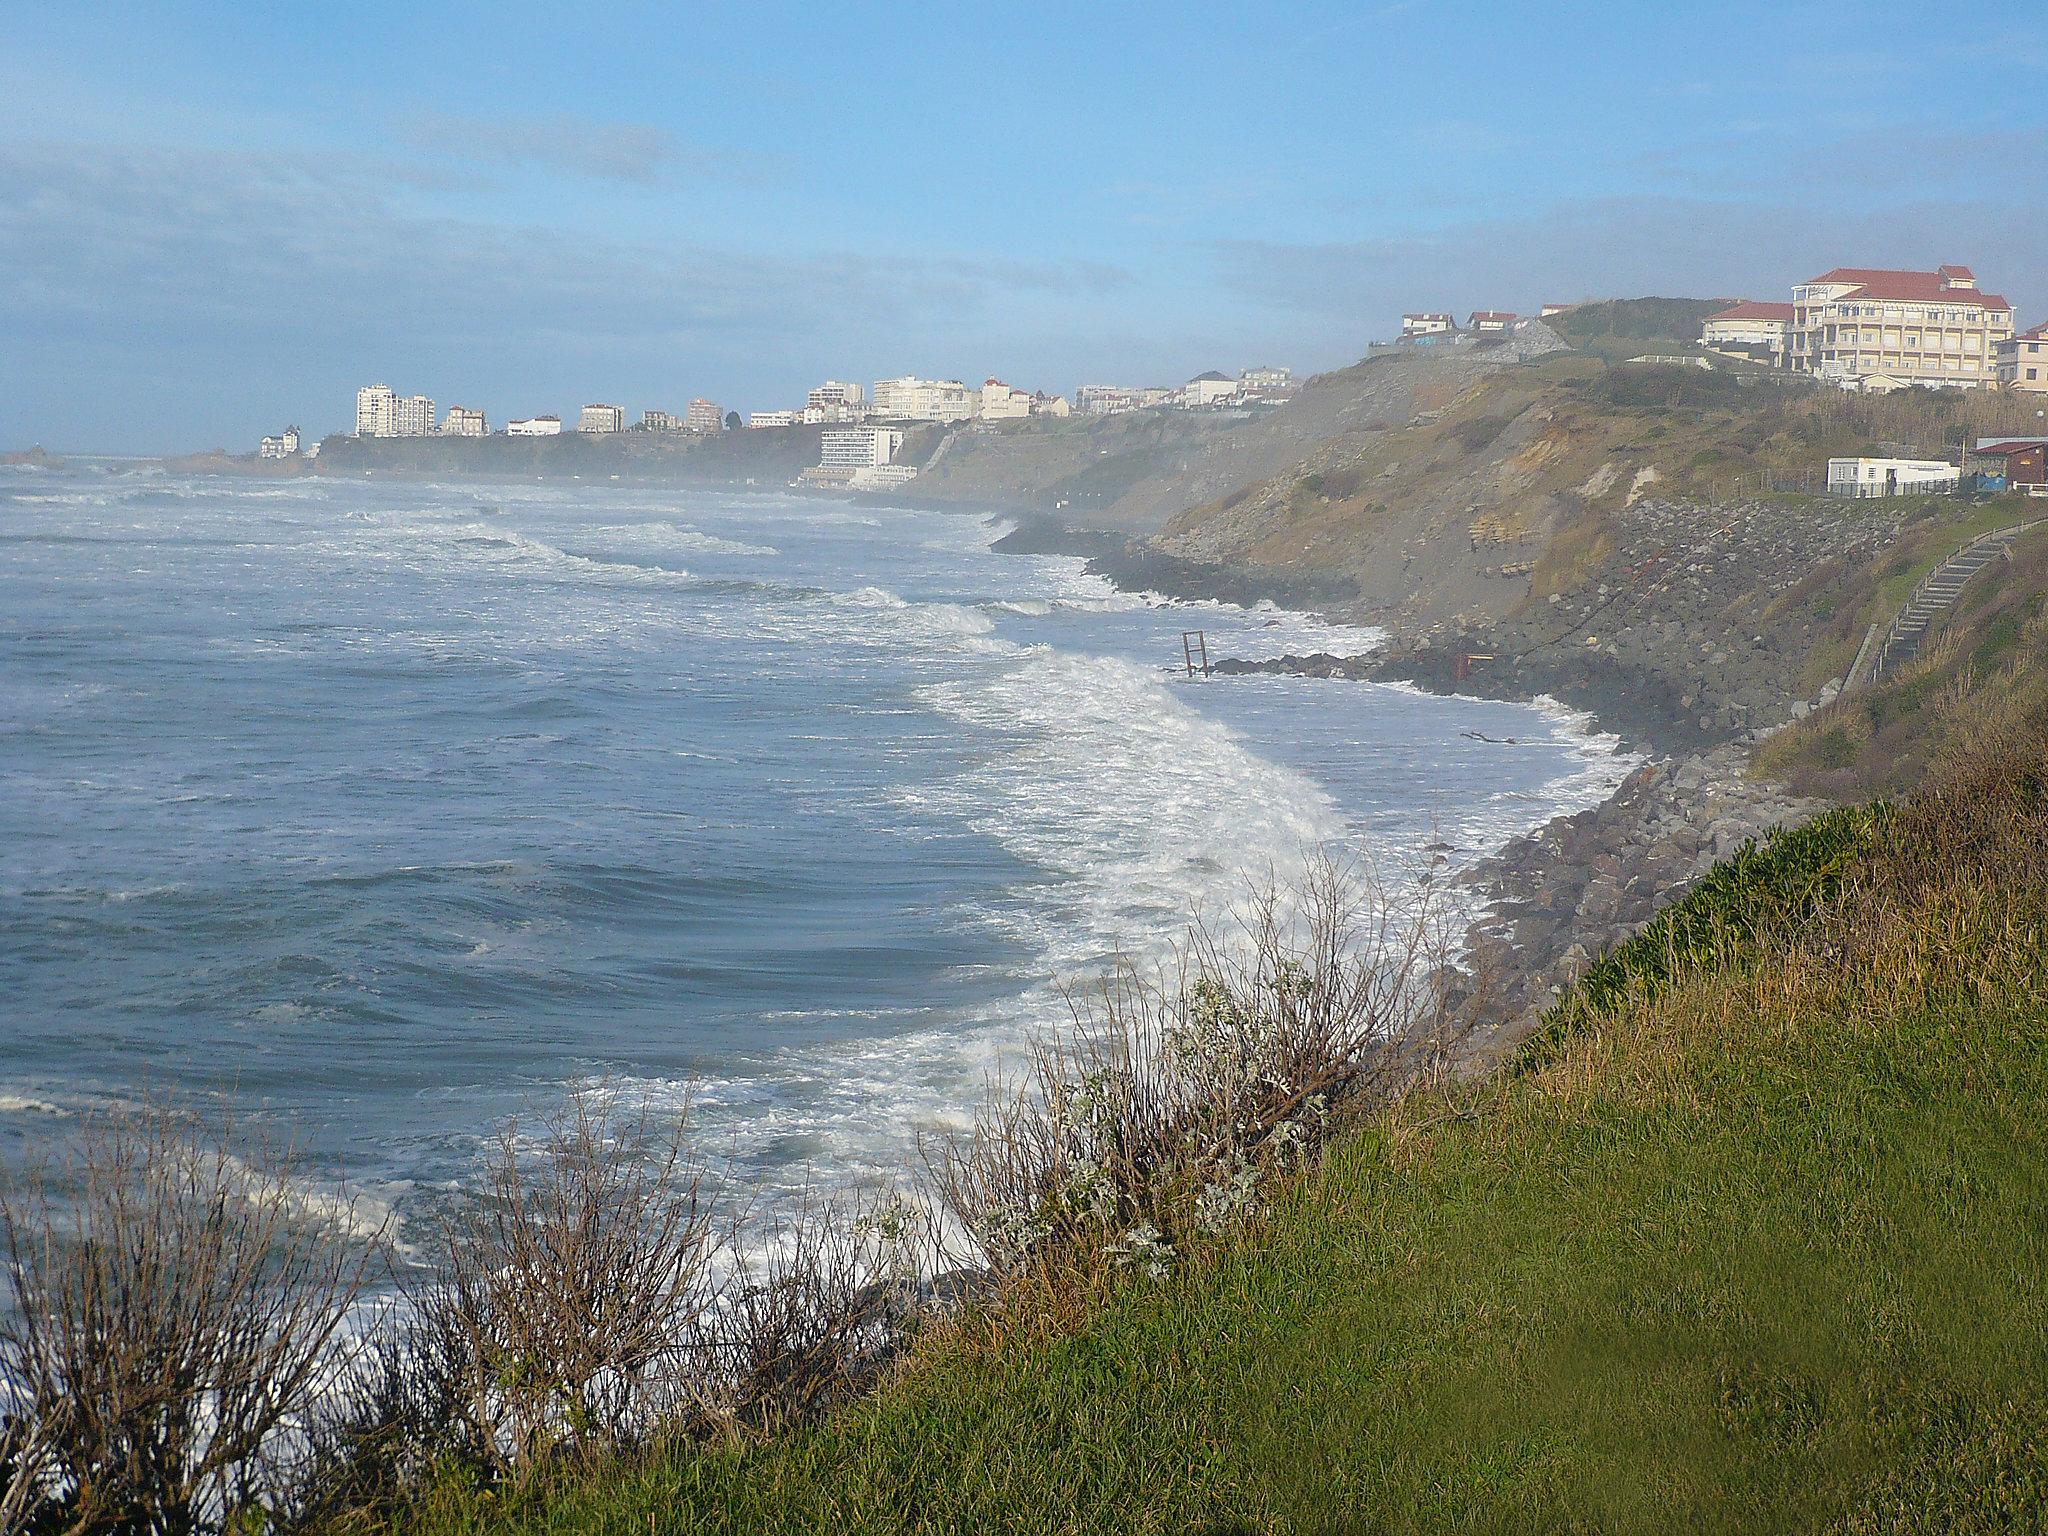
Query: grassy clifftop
(1750, 1241)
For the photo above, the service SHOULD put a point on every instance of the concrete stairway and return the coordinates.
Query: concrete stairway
(1935, 595)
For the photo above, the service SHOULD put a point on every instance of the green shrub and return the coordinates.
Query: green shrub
(1721, 923)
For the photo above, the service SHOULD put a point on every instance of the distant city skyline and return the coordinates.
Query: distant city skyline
(213, 224)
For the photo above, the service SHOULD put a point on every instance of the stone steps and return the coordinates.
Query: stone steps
(1934, 596)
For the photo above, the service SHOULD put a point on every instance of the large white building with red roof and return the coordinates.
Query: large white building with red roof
(1936, 329)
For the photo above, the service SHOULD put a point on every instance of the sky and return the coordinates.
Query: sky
(217, 219)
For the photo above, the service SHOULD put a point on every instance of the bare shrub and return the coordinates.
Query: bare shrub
(565, 1318)
(175, 1316)
(824, 1300)
(1167, 1107)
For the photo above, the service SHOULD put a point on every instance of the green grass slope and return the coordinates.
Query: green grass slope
(1752, 1239)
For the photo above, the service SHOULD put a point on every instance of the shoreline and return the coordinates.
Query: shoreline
(1556, 897)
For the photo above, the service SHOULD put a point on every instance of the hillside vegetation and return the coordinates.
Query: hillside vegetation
(1981, 674)
(1749, 1240)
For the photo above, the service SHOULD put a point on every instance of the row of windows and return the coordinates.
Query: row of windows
(1971, 342)
(1939, 316)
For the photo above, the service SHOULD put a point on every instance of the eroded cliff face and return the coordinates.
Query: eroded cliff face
(1135, 473)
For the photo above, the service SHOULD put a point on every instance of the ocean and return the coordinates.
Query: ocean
(389, 811)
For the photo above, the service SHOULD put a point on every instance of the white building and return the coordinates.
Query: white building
(773, 418)
(284, 446)
(881, 477)
(601, 418)
(1491, 322)
(999, 402)
(534, 426)
(1043, 404)
(373, 410)
(835, 393)
(913, 399)
(1265, 380)
(858, 447)
(1935, 329)
(1749, 329)
(1863, 478)
(704, 416)
(412, 416)
(2023, 361)
(1430, 324)
(461, 421)
(1104, 399)
(1206, 389)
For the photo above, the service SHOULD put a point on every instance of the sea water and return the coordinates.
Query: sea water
(390, 811)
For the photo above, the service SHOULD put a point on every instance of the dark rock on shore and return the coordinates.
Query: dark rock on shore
(1581, 884)
(1144, 567)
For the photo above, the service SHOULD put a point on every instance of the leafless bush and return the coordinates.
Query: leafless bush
(1168, 1106)
(825, 1299)
(175, 1313)
(565, 1317)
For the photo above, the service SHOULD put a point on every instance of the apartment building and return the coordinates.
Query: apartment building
(1934, 329)
(601, 418)
(773, 418)
(381, 413)
(1206, 389)
(1749, 329)
(412, 416)
(704, 416)
(2023, 361)
(913, 399)
(834, 393)
(1265, 380)
(1104, 399)
(854, 448)
(373, 410)
(534, 426)
(660, 421)
(461, 421)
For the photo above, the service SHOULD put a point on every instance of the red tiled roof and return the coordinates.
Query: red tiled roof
(1753, 309)
(2038, 333)
(1492, 314)
(1907, 287)
(1963, 272)
(2006, 450)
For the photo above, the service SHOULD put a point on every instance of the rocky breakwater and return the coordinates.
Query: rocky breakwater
(1695, 623)
(1560, 896)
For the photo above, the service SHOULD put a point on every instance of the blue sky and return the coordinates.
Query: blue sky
(218, 218)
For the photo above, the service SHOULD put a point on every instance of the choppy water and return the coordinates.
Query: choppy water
(395, 809)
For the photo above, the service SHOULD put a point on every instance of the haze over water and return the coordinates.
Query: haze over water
(394, 809)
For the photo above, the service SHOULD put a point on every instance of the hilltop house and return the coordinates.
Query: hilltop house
(1492, 322)
(1935, 329)
(2023, 361)
(1418, 327)
(1749, 329)
(1211, 388)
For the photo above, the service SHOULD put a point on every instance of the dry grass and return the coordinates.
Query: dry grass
(175, 1316)
(1159, 1119)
